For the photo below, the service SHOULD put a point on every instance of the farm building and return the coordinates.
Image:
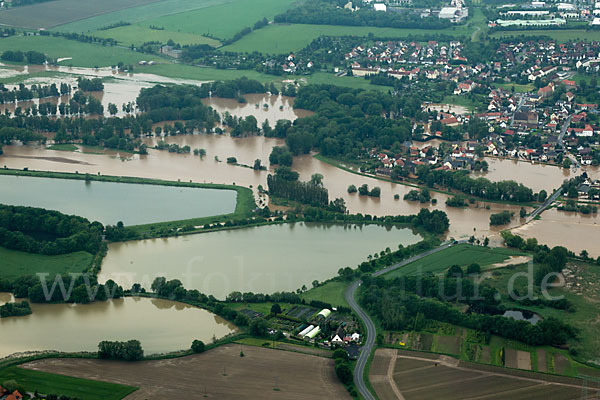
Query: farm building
(306, 330)
(324, 313)
(312, 334)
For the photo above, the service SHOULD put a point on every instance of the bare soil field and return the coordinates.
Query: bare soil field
(219, 373)
(518, 359)
(447, 379)
(58, 12)
(542, 365)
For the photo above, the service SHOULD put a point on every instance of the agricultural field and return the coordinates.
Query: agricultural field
(49, 14)
(140, 13)
(396, 374)
(221, 21)
(561, 35)
(462, 255)
(16, 263)
(220, 372)
(137, 35)
(332, 292)
(582, 289)
(48, 383)
(285, 38)
(81, 54)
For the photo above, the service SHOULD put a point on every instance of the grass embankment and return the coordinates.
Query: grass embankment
(65, 385)
(17, 263)
(462, 255)
(244, 206)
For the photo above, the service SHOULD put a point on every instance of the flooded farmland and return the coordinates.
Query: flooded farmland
(160, 325)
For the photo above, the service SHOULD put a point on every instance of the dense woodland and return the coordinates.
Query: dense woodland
(331, 12)
(35, 230)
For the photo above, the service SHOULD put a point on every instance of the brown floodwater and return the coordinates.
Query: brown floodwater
(277, 107)
(575, 231)
(160, 325)
(170, 166)
(536, 176)
(469, 221)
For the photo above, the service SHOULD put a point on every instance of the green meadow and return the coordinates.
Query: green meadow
(16, 263)
(284, 38)
(221, 21)
(82, 54)
(137, 35)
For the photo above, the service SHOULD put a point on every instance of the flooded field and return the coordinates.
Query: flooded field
(575, 231)
(262, 259)
(160, 325)
(109, 202)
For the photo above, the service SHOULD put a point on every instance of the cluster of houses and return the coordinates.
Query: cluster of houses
(6, 395)
(589, 189)
(399, 59)
(345, 336)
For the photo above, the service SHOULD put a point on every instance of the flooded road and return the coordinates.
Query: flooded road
(160, 325)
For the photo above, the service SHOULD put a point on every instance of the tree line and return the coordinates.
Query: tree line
(36, 230)
(331, 12)
(480, 187)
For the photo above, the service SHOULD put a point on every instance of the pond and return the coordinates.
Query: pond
(109, 202)
(530, 317)
(260, 259)
(160, 325)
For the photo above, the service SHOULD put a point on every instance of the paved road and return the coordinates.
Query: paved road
(563, 131)
(546, 204)
(367, 348)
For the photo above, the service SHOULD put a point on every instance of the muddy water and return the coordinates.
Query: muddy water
(536, 176)
(261, 259)
(170, 166)
(560, 228)
(110, 202)
(277, 107)
(463, 222)
(160, 325)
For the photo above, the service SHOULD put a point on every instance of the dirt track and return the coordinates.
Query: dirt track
(219, 373)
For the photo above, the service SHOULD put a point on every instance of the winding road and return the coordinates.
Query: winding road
(367, 348)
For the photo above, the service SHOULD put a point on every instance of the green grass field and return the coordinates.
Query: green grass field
(16, 263)
(65, 385)
(586, 316)
(284, 38)
(518, 88)
(137, 14)
(137, 35)
(184, 71)
(83, 54)
(462, 255)
(561, 35)
(222, 20)
(332, 292)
